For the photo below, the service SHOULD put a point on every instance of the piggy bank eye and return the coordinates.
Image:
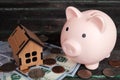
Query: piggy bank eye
(67, 28)
(83, 35)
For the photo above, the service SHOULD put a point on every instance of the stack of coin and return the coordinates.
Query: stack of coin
(85, 74)
(36, 73)
(114, 63)
(49, 61)
(7, 67)
(58, 69)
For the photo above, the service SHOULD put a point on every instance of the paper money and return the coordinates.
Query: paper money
(3, 60)
(1, 75)
(5, 52)
(73, 72)
(50, 75)
(12, 76)
(61, 60)
(5, 47)
(67, 63)
(70, 66)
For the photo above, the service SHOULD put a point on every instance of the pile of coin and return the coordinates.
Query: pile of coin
(111, 71)
(114, 70)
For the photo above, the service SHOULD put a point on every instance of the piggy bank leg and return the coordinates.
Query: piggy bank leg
(108, 56)
(92, 66)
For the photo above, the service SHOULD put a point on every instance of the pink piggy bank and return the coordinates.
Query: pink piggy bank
(88, 37)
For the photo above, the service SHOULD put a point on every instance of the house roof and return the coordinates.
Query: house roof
(19, 42)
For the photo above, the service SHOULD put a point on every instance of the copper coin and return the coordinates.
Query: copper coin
(108, 72)
(114, 63)
(58, 69)
(49, 61)
(84, 74)
(111, 72)
(7, 67)
(36, 73)
(55, 50)
(43, 38)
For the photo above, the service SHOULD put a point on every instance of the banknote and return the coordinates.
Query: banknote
(73, 72)
(1, 75)
(61, 60)
(3, 60)
(12, 76)
(5, 47)
(5, 52)
(70, 66)
(50, 75)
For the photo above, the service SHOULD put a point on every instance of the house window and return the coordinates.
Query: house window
(34, 53)
(34, 59)
(28, 60)
(27, 55)
(31, 57)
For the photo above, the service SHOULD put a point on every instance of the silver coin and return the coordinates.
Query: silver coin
(36, 73)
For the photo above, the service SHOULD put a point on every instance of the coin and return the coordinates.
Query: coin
(7, 67)
(58, 69)
(111, 72)
(114, 63)
(108, 72)
(49, 61)
(55, 50)
(36, 73)
(43, 38)
(84, 73)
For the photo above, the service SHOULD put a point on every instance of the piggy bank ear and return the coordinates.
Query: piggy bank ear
(72, 12)
(98, 21)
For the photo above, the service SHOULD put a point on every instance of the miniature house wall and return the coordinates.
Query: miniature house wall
(27, 48)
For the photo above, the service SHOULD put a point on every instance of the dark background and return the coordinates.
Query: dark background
(48, 16)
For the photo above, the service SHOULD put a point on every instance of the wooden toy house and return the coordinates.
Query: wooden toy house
(27, 48)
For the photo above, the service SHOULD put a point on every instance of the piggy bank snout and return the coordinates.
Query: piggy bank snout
(71, 48)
